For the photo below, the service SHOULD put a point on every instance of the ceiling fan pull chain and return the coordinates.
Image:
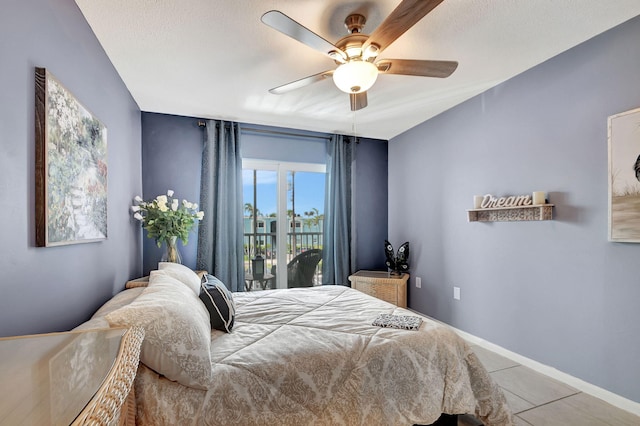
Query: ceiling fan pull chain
(355, 127)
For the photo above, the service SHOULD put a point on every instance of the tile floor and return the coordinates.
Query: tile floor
(539, 400)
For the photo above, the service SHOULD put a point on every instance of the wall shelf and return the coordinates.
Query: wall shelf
(511, 214)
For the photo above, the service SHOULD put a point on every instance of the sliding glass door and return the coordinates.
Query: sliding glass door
(283, 218)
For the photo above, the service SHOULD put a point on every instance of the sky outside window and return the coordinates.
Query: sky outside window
(309, 191)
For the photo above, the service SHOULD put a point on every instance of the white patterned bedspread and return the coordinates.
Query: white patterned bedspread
(310, 356)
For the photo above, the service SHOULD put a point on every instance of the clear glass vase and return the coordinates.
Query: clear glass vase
(171, 252)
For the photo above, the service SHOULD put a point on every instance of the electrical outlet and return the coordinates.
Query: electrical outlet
(418, 282)
(456, 293)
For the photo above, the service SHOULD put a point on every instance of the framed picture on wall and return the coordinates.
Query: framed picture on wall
(70, 167)
(624, 176)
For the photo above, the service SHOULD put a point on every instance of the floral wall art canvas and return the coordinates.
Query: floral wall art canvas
(71, 167)
(624, 176)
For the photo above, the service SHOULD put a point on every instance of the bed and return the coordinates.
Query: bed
(303, 356)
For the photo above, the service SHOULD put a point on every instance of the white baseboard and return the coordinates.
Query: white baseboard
(579, 384)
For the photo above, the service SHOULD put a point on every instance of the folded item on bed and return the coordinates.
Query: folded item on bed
(405, 322)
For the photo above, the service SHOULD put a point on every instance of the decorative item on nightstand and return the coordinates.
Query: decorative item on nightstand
(167, 220)
(398, 263)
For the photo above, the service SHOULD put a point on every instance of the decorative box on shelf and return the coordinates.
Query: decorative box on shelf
(383, 285)
(511, 214)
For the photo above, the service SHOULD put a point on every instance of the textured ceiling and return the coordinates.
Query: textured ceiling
(216, 59)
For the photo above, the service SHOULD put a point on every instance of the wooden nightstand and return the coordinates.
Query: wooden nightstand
(383, 285)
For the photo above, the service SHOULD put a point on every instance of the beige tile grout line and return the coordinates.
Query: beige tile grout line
(547, 403)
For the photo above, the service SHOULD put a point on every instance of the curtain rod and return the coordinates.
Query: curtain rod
(272, 132)
(284, 133)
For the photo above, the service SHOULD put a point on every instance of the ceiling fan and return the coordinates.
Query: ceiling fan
(356, 53)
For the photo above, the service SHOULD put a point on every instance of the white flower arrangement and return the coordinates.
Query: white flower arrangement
(165, 217)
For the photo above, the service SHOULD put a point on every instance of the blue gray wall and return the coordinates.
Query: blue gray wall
(171, 159)
(555, 291)
(370, 213)
(172, 152)
(55, 289)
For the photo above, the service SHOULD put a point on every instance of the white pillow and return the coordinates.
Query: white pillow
(177, 341)
(183, 274)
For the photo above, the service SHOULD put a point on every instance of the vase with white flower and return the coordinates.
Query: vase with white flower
(167, 220)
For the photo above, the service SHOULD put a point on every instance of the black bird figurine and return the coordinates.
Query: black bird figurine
(398, 263)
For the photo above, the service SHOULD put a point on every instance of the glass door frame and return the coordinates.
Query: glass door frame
(282, 168)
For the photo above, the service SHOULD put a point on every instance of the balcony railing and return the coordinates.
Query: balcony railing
(266, 245)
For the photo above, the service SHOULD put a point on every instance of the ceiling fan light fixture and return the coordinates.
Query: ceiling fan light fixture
(337, 56)
(353, 51)
(371, 51)
(355, 76)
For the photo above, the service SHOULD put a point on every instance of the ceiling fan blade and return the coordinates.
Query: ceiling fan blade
(403, 17)
(281, 22)
(301, 83)
(440, 69)
(358, 100)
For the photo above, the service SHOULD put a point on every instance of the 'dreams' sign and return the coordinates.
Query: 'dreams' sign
(489, 201)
